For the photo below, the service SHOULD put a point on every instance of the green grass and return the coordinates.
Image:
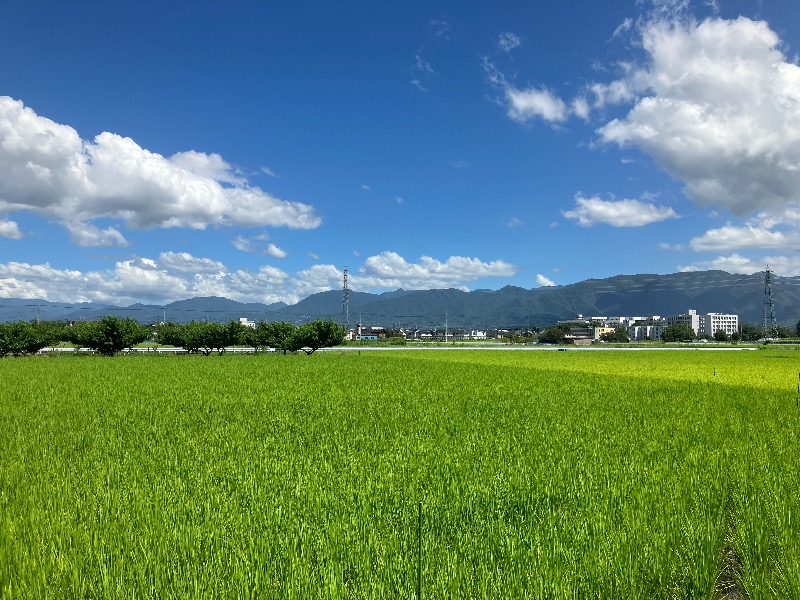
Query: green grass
(541, 474)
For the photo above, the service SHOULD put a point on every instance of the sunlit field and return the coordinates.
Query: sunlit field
(540, 474)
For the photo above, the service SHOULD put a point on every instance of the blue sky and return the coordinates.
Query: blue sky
(153, 151)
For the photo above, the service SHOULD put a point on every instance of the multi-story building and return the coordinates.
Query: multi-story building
(645, 332)
(599, 331)
(690, 317)
(652, 327)
(714, 322)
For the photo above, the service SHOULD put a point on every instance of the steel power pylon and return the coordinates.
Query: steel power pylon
(345, 302)
(770, 323)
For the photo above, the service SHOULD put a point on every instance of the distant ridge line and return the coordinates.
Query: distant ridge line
(510, 306)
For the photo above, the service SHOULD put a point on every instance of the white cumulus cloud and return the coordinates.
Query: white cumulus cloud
(184, 262)
(10, 229)
(543, 281)
(717, 108)
(731, 237)
(390, 270)
(524, 105)
(787, 266)
(179, 275)
(86, 235)
(617, 213)
(48, 169)
(274, 251)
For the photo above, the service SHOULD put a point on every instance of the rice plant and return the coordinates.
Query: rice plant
(541, 475)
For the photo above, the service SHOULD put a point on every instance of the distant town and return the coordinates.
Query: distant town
(578, 331)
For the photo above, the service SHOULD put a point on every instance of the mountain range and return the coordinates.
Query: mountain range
(622, 295)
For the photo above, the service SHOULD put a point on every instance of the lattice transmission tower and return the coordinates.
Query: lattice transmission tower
(770, 323)
(345, 302)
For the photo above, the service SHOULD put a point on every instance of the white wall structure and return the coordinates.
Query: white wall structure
(645, 332)
(691, 317)
(713, 322)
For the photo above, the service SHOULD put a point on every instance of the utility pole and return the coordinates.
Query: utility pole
(445, 327)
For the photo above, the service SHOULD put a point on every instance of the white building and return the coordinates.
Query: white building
(645, 332)
(714, 322)
(690, 317)
(652, 327)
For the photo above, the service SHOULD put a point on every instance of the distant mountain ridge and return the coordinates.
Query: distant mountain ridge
(621, 295)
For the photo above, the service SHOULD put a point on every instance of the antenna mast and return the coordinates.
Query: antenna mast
(770, 323)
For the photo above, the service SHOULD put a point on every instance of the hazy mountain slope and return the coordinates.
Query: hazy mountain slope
(629, 295)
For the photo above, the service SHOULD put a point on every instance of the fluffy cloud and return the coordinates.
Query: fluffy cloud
(46, 168)
(730, 237)
(617, 213)
(86, 235)
(22, 280)
(210, 166)
(390, 270)
(719, 112)
(529, 103)
(523, 105)
(713, 102)
(736, 263)
(543, 281)
(178, 275)
(183, 262)
(10, 229)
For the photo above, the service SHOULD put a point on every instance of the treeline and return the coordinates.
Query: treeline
(111, 335)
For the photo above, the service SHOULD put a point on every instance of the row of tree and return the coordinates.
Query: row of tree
(111, 335)
(205, 337)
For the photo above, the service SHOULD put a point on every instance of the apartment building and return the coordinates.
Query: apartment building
(714, 322)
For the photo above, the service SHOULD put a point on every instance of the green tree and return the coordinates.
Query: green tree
(235, 333)
(318, 334)
(797, 329)
(171, 334)
(107, 336)
(21, 337)
(204, 337)
(280, 335)
(680, 332)
(618, 336)
(751, 332)
(256, 337)
(552, 335)
(720, 336)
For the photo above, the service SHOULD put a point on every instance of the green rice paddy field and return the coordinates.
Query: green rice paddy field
(541, 474)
